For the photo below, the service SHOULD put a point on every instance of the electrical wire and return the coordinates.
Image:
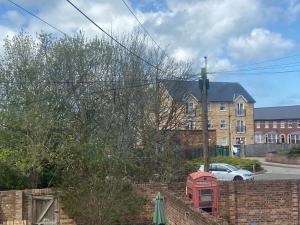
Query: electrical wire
(143, 27)
(113, 38)
(37, 17)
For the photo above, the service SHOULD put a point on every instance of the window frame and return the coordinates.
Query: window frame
(224, 124)
(290, 124)
(257, 124)
(298, 123)
(282, 124)
(208, 107)
(209, 124)
(267, 124)
(224, 105)
(274, 123)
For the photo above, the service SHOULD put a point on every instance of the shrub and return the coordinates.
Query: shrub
(238, 162)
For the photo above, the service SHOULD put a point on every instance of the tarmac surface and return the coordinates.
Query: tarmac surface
(277, 171)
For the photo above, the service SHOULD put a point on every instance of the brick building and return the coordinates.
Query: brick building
(230, 109)
(277, 124)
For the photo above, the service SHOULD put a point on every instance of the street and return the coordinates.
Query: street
(278, 171)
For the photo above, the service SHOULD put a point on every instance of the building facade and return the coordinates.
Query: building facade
(277, 124)
(230, 109)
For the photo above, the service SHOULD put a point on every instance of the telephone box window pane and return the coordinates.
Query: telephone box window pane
(206, 198)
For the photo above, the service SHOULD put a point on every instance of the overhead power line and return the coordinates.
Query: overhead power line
(258, 72)
(37, 17)
(244, 67)
(113, 38)
(143, 27)
(262, 68)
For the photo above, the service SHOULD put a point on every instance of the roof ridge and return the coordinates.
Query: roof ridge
(283, 106)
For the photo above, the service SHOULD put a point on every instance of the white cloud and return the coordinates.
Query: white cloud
(191, 29)
(5, 32)
(260, 44)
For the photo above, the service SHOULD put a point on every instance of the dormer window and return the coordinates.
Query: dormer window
(240, 109)
(190, 109)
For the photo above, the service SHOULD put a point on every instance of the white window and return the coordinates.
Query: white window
(274, 124)
(257, 124)
(290, 124)
(223, 124)
(209, 124)
(258, 138)
(294, 138)
(222, 106)
(298, 124)
(190, 125)
(272, 138)
(266, 124)
(240, 111)
(208, 107)
(240, 126)
(282, 125)
(190, 108)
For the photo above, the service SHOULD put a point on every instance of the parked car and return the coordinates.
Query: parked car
(225, 171)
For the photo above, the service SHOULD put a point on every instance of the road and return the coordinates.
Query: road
(278, 171)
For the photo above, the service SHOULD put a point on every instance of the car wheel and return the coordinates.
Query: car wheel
(237, 178)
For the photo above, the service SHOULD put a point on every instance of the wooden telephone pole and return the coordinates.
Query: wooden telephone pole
(203, 87)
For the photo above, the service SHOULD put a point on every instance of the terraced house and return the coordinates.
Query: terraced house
(230, 109)
(280, 124)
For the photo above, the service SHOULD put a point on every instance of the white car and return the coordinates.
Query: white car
(225, 171)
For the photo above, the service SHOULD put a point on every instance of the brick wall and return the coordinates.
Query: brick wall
(260, 202)
(16, 207)
(178, 209)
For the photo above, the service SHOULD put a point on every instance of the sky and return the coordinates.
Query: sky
(253, 42)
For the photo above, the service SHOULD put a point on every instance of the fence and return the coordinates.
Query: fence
(192, 153)
(260, 150)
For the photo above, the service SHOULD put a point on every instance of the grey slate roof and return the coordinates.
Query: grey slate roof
(277, 113)
(217, 92)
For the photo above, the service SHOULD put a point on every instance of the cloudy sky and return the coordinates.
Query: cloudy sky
(257, 41)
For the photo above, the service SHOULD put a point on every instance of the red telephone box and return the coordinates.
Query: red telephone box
(202, 189)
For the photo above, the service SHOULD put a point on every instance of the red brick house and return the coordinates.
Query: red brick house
(277, 124)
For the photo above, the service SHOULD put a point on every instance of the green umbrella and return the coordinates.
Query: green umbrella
(159, 217)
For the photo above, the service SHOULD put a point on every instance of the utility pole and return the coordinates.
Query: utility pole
(203, 82)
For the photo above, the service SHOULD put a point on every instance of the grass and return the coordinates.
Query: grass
(247, 164)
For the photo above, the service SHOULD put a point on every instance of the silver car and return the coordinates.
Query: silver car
(225, 171)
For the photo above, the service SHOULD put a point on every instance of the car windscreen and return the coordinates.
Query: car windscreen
(232, 168)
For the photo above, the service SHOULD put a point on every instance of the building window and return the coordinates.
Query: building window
(298, 124)
(190, 125)
(240, 126)
(190, 108)
(266, 124)
(257, 124)
(274, 124)
(223, 124)
(282, 125)
(290, 124)
(240, 109)
(208, 107)
(294, 138)
(222, 106)
(272, 138)
(258, 138)
(209, 124)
